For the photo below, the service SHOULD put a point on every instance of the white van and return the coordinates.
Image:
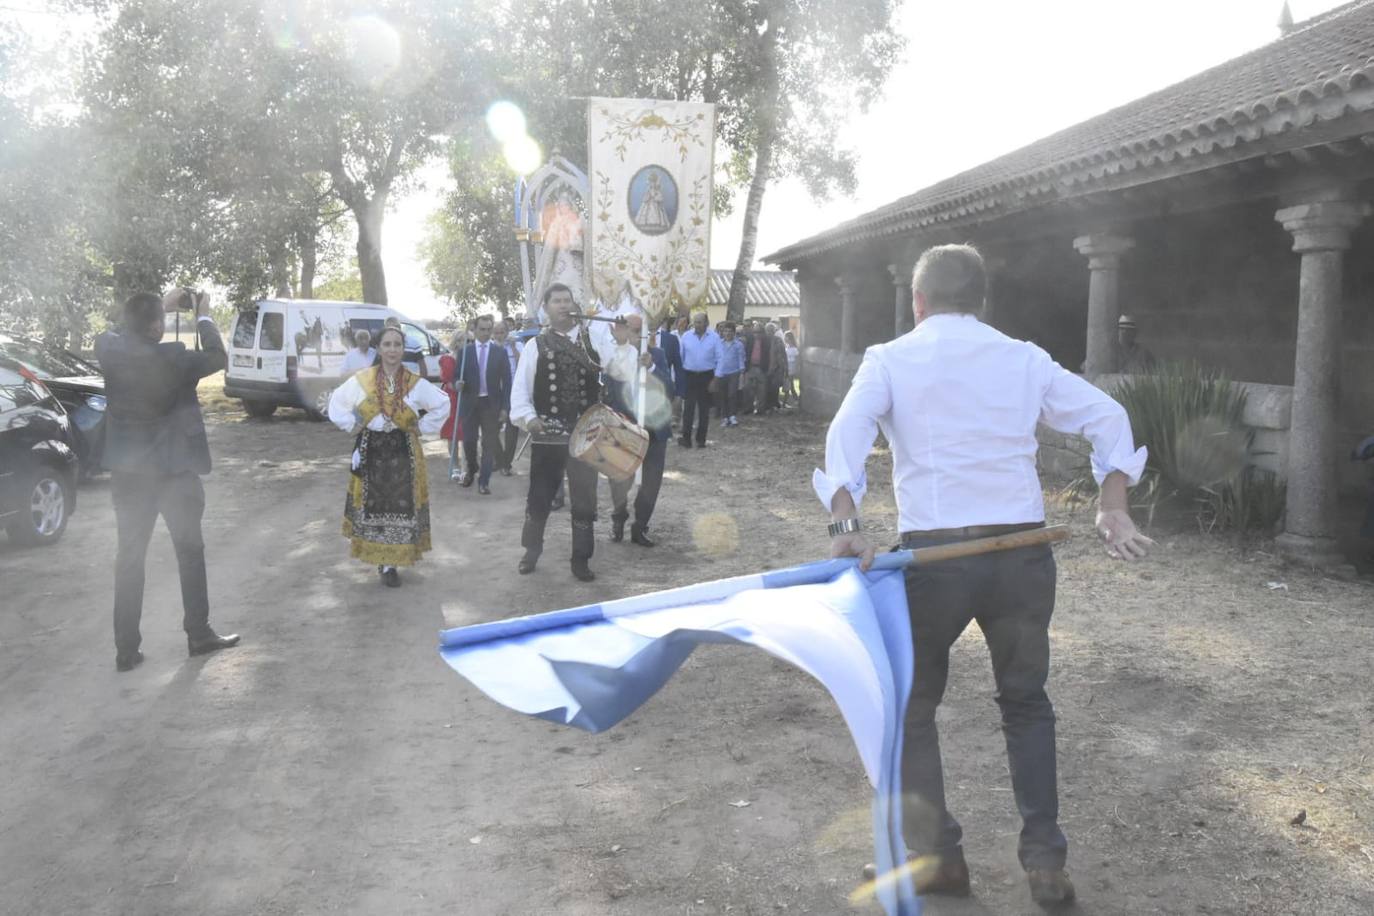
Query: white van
(289, 352)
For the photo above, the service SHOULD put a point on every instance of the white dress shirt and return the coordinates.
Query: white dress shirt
(483, 354)
(958, 402)
(356, 360)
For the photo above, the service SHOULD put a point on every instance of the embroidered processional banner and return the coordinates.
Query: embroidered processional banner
(651, 166)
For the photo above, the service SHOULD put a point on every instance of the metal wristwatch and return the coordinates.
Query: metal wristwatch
(843, 526)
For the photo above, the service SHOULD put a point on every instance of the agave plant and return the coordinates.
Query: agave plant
(1190, 419)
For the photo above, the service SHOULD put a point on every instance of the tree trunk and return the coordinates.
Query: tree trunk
(306, 243)
(739, 283)
(281, 273)
(369, 216)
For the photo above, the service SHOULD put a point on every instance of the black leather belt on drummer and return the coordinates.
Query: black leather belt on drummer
(969, 533)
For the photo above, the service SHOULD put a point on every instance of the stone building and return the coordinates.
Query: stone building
(1227, 214)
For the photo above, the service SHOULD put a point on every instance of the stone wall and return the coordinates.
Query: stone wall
(825, 377)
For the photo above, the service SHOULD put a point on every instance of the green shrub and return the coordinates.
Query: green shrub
(1201, 456)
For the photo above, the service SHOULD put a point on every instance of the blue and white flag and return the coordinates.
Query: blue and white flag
(592, 666)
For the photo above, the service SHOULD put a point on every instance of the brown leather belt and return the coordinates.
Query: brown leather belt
(968, 533)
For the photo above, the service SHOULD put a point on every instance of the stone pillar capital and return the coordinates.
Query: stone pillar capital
(1323, 225)
(901, 276)
(1103, 249)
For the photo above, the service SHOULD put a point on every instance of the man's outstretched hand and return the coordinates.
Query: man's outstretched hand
(853, 544)
(1119, 533)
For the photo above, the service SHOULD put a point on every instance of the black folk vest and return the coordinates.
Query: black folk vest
(566, 382)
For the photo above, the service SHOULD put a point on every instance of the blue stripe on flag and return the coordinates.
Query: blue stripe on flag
(592, 666)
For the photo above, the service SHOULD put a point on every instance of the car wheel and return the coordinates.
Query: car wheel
(44, 518)
(259, 409)
(319, 405)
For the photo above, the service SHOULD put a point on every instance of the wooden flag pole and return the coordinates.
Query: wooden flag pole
(1029, 538)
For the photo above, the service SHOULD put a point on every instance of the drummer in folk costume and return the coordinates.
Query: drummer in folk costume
(558, 379)
(386, 512)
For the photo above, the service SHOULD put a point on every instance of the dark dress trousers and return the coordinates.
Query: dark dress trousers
(622, 398)
(156, 450)
(483, 414)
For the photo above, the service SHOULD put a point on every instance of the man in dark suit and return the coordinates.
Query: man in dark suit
(672, 353)
(484, 403)
(156, 450)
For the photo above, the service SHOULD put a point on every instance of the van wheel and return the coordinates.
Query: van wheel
(259, 409)
(319, 405)
(46, 515)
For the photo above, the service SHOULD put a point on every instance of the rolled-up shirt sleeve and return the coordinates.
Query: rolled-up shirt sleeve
(522, 387)
(853, 432)
(1073, 405)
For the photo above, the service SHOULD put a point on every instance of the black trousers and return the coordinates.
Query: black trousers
(647, 497)
(485, 418)
(548, 466)
(138, 500)
(697, 404)
(510, 440)
(1011, 595)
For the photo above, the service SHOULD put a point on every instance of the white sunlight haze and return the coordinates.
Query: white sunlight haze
(979, 78)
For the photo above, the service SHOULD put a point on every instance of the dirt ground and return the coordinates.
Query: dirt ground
(333, 763)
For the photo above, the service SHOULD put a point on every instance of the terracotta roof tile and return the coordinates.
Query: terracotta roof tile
(766, 288)
(1320, 71)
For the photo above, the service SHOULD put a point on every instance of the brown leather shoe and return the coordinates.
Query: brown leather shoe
(1050, 887)
(949, 879)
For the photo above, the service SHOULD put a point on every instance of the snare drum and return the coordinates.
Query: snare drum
(609, 442)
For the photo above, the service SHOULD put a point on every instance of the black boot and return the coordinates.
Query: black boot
(618, 520)
(639, 535)
(583, 544)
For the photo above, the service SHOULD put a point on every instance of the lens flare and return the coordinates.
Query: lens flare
(506, 122)
(522, 155)
(715, 534)
(374, 48)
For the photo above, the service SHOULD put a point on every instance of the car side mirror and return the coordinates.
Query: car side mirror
(434, 348)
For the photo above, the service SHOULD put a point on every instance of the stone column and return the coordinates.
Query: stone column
(902, 319)
(1321, 234)
(1103, 251)
(849, 316)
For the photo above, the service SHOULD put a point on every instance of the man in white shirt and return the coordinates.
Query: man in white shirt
(959, 402)
(361, 356)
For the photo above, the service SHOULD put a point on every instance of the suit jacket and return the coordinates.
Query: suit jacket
(767, 352)
(153, 416)
(498, 378)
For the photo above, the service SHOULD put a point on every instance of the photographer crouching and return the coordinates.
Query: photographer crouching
(156, 450)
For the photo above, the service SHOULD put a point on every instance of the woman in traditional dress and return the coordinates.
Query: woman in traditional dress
(386, 513)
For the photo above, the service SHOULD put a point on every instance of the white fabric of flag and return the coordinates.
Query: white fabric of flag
(650, 167)
(590, 667)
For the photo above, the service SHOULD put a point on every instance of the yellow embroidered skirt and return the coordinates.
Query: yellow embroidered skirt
(386, 512)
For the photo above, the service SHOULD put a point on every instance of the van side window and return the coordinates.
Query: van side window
(273, 332)
(246, 329)
(417, 341)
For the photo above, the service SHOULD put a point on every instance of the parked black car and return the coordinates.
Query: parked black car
(38, 463)
(77, 383)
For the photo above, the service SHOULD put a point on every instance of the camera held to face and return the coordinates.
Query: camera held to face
(183, 299)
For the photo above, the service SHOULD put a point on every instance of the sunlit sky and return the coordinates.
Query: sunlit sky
(979, 78)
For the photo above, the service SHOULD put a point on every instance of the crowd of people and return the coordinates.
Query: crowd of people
(498, 381)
